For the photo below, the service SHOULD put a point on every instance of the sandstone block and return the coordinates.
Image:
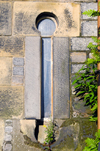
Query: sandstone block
(28, 127)
(8, 138)
(18, 61)
(18, 71)
(89, 28)
(25, 15)
(80, 43)
(78, 57)
(88, 6)
(8, 129)
(17, 80)
(5, 70)
(61, 78)
(7, 147)
(32, 78)
(19, 141)
(11, 46)
(5, 18)
(11, 102)
(76, 67)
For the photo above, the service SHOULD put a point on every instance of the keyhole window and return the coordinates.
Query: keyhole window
(47, 27)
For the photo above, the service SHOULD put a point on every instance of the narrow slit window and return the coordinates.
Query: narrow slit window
(47, 27)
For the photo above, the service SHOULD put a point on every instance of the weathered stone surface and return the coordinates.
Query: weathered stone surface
(25, 15)
(76, 67)
(68, 138)
(32, 78)
(8, 129)
(79, 108)
(11, 46)
(18, 71)
(18, 61)
(11, 102)
(8, 138)
(5, 70)
(16, 80)
(78, 57)
(19, 143)
(87, 129)
(88, 6)
(5, 18)
(7, 147)
(89, 28)
(1, 133)
(61, 78)
(42, 134)
(28, 128)
(80, 43)
(8, 123)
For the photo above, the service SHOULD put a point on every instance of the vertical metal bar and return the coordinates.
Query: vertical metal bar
(98, 66)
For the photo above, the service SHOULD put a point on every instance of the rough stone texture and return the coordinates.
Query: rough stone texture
(7, 147)
(74, 133)
(8, 129)
(68, 138)
(89, 28)
(18, 71)
(78, 57)
(11, 102)
(8, 137)
(88, 6)
(5, 70)
(1, 134)
(19, 143)
(87, 130)
(80, 43)
(79, 108)
(12, 46)
(75, 67)
(28, 127)
(25, 15)
(32, 78)
(42, 134)
(8, 123)
(16, 80)
(18, 61)
(5, 18)
(61, 78)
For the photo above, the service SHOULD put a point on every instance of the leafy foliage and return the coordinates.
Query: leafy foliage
(92, 144)
(86, 83)
(91, 13)
(50, 134)
(86, 80)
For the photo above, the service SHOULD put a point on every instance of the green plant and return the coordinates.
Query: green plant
(92, 144)
(86, 83)
(86, 78)
(49, 134)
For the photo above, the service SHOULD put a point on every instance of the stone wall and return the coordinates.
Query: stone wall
(16, 20)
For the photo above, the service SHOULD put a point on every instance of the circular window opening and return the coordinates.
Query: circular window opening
(46, 23)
